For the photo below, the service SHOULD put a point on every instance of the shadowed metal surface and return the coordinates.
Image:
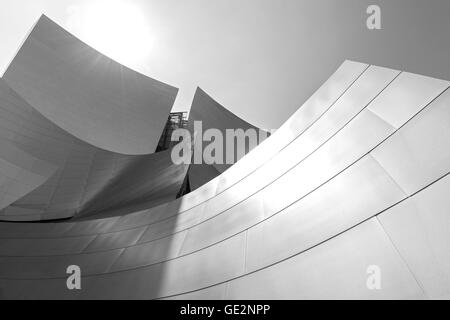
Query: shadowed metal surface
(212, 115)
(342, 185)
(78, 132)
(49, 174)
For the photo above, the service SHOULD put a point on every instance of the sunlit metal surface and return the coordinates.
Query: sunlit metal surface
(343, 185)
(50, 172)
(87, 94)
(420, 229)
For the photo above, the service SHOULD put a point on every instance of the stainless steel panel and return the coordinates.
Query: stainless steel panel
(173, 225)
(141, 218)
(150, 252)
(67, 176)
(359, 136)
(212, 116)
(115, 240)
(313, 108)
(55, 289)
(406, 96)
(64, 79)
(43, 247)
(353, 101)
(419, 153)
(203, 193)
(336, 269)
(201, 269)
(213, 293)
(91, 227)
(318, 246)
(420, 230)
(56, 266)
(355, 195)
(227, 224)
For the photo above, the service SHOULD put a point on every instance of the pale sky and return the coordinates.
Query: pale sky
(261, 59)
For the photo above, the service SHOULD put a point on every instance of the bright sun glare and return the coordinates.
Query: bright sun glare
(116, 28)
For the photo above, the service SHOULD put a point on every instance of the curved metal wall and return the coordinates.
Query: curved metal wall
(212, 115)
(87, 94)
(78, 132)
(361, 167)
(49, 174)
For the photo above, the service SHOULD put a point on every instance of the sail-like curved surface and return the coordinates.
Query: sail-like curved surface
(87, 94)
(212, 115)
(47, 173)
(78, 133)
(356, 179)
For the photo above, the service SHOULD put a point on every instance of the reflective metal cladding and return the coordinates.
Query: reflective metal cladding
(87, 94)
(79, 131)
(354, 183)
